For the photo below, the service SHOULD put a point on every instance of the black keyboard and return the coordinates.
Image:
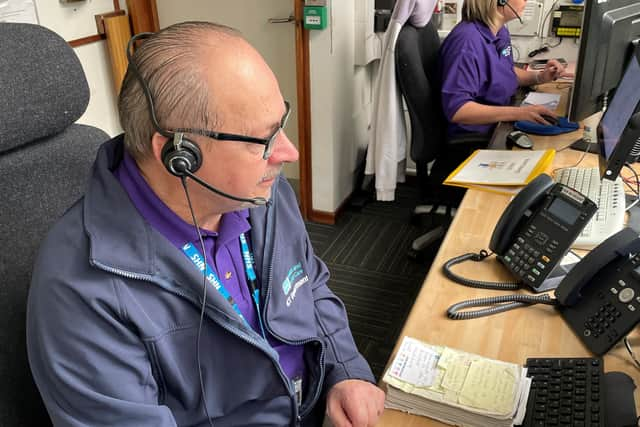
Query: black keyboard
(565, 392)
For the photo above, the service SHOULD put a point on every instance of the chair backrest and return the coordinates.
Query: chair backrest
(417, 75)
(45, 160)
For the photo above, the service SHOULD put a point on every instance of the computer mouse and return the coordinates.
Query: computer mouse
(553, 121)
(519, 139)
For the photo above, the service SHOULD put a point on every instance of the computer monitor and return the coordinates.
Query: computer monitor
(609, 28)
(619, 128)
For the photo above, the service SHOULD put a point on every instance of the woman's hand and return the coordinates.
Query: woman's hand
(552, 71)
(534, 113)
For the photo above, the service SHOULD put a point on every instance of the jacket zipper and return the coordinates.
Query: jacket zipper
(316, 395)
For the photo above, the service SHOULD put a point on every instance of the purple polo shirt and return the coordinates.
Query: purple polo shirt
(475, 66)
(223, 250)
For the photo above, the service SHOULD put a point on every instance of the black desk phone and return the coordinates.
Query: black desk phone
(600, 297)
(538, 227)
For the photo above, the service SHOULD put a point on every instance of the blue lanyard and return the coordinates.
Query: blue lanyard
(252, 280)
(198, 260)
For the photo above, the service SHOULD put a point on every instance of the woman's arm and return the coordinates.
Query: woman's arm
(527, 78)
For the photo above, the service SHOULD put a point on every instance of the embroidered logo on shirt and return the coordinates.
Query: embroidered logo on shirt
(506, 51)
(294, 280)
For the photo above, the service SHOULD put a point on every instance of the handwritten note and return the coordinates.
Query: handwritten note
(456, 387)
(490, 386)
(456, 365)
(415, 363)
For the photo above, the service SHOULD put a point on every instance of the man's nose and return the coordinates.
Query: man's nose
(283, 150)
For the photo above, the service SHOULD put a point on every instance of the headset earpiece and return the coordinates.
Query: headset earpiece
(502, 3)
(180, 155)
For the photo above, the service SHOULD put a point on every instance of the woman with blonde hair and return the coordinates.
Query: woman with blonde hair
(478, 74)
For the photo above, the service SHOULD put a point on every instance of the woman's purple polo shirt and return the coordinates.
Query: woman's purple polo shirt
(475, 66)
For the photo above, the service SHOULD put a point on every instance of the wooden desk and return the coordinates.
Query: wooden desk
(512, 336)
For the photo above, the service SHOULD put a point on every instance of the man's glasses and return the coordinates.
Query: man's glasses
(267, 142)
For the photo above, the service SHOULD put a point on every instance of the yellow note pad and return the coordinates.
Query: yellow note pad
(490, 386)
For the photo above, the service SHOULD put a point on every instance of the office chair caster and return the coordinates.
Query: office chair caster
(425, 241)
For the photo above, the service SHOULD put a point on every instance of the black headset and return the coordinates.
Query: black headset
(181, 156)
(503, 3)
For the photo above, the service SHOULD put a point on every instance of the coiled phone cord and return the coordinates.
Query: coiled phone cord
(501, 286)
(509, 302)
(501, 303)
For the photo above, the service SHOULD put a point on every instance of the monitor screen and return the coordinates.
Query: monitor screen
(619, 128)
(608, 28)
(620, 110)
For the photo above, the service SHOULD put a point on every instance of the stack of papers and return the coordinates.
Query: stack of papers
(455, 387)
(500, 171)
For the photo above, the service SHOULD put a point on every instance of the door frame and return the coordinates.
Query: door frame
(304, 111)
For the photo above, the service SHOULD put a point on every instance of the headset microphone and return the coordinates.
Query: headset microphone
(182, 158)
(506, 3)
(258, 201)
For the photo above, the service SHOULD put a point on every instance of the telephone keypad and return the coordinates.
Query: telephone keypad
(603, 316)
(545, 234)
(529, 261)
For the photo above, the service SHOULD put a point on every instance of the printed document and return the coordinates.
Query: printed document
(501, 171)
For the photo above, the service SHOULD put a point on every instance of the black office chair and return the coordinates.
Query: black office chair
(44, 163)
(417, 75)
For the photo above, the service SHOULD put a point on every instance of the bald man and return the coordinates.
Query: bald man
(182, 289)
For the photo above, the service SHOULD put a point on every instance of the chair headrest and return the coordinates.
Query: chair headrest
(44, 88)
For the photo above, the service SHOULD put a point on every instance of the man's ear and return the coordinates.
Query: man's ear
(157, 143)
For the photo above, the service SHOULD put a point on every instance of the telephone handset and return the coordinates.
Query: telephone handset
(600, 297)
(538, 227)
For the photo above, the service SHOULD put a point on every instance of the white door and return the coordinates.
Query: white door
(276, 42)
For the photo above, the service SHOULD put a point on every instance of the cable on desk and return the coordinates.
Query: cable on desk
(501, 286)
(631, 353)
(500, 303)
(582, 156)
(636, 190)
(509, 302)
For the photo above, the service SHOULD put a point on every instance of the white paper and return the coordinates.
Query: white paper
(498, 167)
(549, 100)
(415, 363)
(18, 11)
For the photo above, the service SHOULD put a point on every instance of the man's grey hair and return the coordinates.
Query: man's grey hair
(172, 64)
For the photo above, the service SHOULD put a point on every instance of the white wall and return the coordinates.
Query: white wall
(568, 49)
(340, 107)
(75, 21)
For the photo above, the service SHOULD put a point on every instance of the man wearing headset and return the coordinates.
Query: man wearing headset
(478, 74)
(160, 299)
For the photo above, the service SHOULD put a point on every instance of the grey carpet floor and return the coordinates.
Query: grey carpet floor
(366, 253)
